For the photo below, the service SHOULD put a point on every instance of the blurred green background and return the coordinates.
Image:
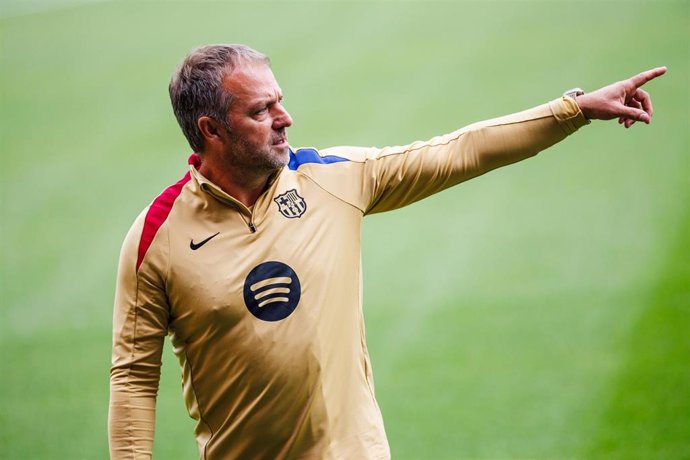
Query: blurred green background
(541, 311)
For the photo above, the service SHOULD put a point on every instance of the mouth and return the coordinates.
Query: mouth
(281, 141)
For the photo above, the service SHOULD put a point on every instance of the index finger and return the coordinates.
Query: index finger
(642, 78)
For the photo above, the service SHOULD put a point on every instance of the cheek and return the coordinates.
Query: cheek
(265, 131)
(254, 132)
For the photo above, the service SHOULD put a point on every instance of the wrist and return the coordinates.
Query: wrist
(578, 95)
(582, 102)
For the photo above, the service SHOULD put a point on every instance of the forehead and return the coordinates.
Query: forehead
(250, 81)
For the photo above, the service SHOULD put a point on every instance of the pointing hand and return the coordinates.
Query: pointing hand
(623, 100)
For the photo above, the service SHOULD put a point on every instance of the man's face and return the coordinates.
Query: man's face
(258, 121)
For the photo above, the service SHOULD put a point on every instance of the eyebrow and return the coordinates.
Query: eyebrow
(266, 99)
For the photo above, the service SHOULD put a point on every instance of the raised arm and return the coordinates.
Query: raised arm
(393, 177)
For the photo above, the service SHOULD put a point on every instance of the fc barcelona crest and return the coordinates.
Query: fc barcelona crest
(290, 204)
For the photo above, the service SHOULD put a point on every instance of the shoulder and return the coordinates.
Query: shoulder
(308, 156)
(311, 156)
(339, 171)
(148, 224)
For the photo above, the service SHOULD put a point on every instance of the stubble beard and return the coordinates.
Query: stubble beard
(265, 160)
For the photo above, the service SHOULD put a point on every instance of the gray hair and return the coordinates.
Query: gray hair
(196, 87)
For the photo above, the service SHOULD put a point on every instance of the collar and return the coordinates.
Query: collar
(218, 193)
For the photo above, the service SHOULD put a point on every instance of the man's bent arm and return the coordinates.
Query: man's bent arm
(139, 327)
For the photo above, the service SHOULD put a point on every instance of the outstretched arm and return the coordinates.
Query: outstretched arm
(393, 177)
(624, 100)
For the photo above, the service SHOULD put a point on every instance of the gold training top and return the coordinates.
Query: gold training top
(264, 305)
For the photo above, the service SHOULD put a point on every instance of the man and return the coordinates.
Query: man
(251, 262)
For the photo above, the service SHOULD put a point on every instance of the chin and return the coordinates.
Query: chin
(277, 159)
(282, 155)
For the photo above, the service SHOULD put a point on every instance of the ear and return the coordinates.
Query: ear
(212, 131)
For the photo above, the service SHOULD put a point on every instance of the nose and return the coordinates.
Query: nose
(282, 118)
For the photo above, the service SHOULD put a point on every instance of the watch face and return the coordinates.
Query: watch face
(574, 92)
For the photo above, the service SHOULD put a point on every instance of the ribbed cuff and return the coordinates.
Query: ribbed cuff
(568, 114)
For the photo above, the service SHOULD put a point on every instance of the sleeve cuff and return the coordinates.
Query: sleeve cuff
(568, 114)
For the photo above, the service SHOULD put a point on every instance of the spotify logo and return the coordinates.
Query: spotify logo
(272, 291)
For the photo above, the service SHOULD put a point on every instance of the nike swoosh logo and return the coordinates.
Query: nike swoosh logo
(194, 246)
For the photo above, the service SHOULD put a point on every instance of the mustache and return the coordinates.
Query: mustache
(280, 136)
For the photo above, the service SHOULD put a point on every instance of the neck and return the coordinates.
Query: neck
(245, 186)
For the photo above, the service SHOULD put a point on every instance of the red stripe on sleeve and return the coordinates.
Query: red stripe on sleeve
(156, 215)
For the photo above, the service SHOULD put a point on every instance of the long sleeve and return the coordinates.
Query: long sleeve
(377, 180)
(139, 327)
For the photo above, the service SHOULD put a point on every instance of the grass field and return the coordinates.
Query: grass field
(541, 311)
